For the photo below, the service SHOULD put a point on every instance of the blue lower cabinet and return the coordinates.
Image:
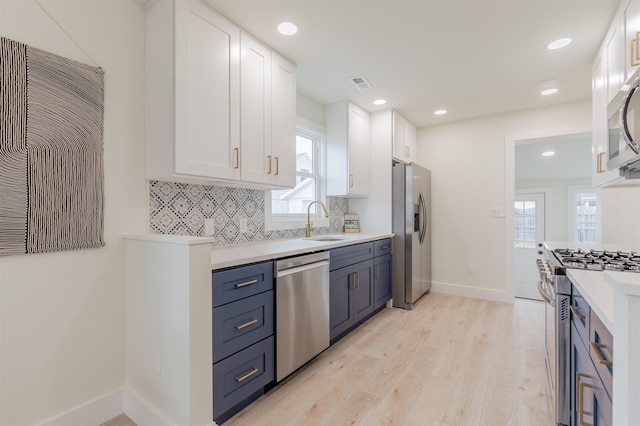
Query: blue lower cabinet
(242, 375)
(239, 324)
(589, 400)
(243, 336)
(382, 280)
(351, 296)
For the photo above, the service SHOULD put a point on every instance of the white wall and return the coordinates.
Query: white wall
(469, 176)
(62, 315)
(309, 109)
(620, 218)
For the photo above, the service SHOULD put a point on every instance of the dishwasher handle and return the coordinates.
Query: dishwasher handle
(297, 269)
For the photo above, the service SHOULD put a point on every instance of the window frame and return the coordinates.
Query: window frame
(284, 221)
(572, 221)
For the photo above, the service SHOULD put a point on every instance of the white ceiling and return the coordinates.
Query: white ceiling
(473, 58)
(572, 159)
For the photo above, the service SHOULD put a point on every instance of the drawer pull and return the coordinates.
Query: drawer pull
(246, 324)
(574, 311)
(580, 399)
(246, 376)
(384, 247)
(245, 283)
(596, 348)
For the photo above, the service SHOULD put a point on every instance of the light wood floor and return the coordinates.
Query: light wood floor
(450, 361)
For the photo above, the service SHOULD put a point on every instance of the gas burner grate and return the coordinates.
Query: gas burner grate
(599, 260)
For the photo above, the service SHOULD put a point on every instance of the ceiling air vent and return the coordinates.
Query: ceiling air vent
(360, 82)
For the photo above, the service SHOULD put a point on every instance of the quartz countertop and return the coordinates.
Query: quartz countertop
(234, 255)
(597, 291)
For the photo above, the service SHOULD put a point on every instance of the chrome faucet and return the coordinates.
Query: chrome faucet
(326, 214)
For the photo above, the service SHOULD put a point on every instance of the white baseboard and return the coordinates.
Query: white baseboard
(94, 412)
(144, 413)
(472, 292)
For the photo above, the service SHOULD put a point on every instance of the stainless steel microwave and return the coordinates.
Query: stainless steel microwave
(624, 128)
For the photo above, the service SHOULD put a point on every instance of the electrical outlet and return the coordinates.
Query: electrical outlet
(244, 224)
(209, 227)
(471, 269)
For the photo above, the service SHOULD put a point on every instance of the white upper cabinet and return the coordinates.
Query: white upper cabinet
(255, 109)
(614, 63)
(631, 13)
(600, 175)
(193, 93)
(347, 150)
(211, 116)
(404, 139)
(614, 46)
(283, 119)
(267, 115)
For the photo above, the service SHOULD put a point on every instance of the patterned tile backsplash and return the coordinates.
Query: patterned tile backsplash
(178, 208)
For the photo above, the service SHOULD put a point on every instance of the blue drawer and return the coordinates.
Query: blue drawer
(241, 375)
(580, 312)
(233, 284)
(601, 352)
(345, 256)
(382, 247)
(242, 323)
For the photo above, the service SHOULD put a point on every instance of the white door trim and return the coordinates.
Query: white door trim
(509, 191)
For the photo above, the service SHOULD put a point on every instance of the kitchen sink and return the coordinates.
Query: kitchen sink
(325, 238)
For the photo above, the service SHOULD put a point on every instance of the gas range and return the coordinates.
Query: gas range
(598, 260)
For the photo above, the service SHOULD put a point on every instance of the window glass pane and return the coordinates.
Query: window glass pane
(304, 154)
(586, 216)
(291, 204)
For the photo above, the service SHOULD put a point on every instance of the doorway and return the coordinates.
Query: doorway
(528, 217)
(528, 171)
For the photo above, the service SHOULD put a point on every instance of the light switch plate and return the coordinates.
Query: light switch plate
(244, 224)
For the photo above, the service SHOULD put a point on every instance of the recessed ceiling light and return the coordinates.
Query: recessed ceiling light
(559, 43)
(379, 102)
(440, 112)
(548, 91)
(548, 153)
(287, 28)
(545, 84)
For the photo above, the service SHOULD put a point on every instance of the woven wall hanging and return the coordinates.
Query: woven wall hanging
(51, 160)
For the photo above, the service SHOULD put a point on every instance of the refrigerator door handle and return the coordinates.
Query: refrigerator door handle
(423, 216)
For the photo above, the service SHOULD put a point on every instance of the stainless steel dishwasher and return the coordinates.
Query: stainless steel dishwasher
(302, 310)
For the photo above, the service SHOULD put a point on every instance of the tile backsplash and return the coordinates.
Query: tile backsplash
(178, 208)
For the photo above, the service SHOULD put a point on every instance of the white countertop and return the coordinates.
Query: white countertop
(596, 291)
(233, 255)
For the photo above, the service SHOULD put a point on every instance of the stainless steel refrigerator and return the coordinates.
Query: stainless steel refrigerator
(412, 229)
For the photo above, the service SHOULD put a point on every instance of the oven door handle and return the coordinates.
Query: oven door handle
(544, 295)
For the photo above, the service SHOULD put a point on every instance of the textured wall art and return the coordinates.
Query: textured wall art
(51, 161)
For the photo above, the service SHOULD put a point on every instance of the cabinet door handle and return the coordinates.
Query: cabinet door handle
(635, 51)
(350, 181)
(574, 311)
(277, 166)
(352, 280)
(245, 283)
(580, 399)
(599, 167)
(246, 324)
(377, 272)
(236, 160)
(246, 376)
(269, 161)
(596, 349)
